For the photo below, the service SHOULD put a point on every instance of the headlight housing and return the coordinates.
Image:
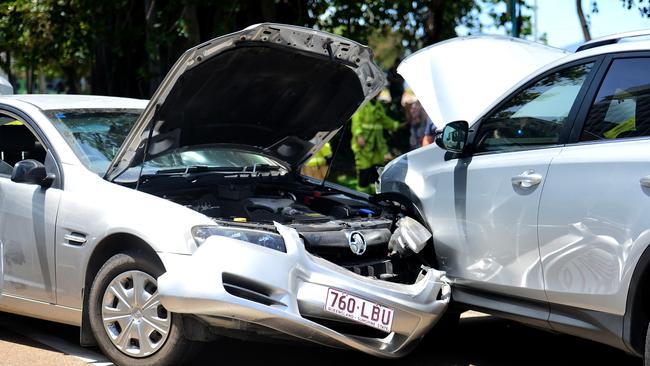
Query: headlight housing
(258, 237)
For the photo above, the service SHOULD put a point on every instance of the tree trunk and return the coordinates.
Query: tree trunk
(30, 80)
(71, 80)
(119, 65)
(42, 83)
(583, 21)
(153, 52)
(433, 24)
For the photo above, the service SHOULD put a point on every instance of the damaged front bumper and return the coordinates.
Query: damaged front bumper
(287, 292)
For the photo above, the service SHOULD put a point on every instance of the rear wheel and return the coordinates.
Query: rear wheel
(127, 319)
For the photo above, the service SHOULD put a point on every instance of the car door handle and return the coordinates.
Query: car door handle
(645, 181)
(75, 238)
(527, 179)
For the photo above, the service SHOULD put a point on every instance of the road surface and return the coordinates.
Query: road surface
(479, 340)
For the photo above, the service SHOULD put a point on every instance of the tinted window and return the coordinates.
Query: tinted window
(622, 106)
(535, 116)
(17, 142)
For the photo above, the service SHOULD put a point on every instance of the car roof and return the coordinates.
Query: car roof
(71, 101)
(624, 45)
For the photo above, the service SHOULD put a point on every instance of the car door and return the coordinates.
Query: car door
(595, 210)
(27, 216)
(484, 215)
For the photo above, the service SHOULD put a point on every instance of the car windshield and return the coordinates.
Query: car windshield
(96, 135)
(213, 157)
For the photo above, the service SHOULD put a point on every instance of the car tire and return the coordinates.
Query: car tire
(128, 323)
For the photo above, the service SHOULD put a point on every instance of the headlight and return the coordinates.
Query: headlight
(257, 237)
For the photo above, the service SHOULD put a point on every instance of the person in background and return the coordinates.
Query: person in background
(416, 118)
(429, 133)
(368, 143)
(317, 166)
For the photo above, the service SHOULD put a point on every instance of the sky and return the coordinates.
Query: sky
(559, 20)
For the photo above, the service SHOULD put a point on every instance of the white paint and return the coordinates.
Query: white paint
(458, 79)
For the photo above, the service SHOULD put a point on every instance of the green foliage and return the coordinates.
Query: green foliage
(417, 23)
(126, 46)
(643, 6)
(47, 34)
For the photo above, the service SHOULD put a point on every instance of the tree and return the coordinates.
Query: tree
(643, 6)
(40, 37)
(126, 46)
(583, 21)
(419, 23)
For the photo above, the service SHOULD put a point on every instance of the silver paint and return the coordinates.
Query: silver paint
(297, 283)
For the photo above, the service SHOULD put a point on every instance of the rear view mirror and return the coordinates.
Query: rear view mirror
(31, 172)
(453, 136)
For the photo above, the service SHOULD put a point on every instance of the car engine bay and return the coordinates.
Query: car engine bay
(372, 239)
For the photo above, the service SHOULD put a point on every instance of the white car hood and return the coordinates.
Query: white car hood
(458, 79)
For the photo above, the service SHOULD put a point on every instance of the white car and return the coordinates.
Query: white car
(538, 199)
(156, 225)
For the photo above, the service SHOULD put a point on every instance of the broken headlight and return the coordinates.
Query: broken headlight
(258, 237)
(410, 236)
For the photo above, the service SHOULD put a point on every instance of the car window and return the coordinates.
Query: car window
(17, 142)
(208, 156)
(622, 106)
(535, 116)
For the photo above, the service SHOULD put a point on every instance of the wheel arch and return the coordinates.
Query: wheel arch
(406, 199)
(111, 245)
(413, 206)
(637, 310)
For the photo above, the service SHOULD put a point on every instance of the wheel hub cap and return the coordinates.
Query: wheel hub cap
(133, 317)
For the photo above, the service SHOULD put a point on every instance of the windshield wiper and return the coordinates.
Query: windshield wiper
(195, 169)
(255, 168)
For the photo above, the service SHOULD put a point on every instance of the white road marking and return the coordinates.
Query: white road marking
(86, 355)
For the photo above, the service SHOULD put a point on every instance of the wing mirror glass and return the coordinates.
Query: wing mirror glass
(31, 172)
(453, 137)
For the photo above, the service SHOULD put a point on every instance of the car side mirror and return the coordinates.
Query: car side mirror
(453, 137)
(31, 172)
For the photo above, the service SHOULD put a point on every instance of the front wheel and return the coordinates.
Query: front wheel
(127, 319)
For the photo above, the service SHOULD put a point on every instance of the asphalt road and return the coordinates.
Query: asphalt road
(478, 341)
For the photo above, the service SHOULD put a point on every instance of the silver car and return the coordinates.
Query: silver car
(158, 225)
(538, 194)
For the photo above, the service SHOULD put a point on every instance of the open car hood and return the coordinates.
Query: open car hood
(283, 89)
(459, 78)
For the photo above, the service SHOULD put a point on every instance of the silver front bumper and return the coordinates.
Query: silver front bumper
(232, 279)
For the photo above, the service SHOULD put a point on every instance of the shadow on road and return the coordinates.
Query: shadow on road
(482, 341)
(477, 341)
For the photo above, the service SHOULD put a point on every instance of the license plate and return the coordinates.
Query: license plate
(360, 310)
